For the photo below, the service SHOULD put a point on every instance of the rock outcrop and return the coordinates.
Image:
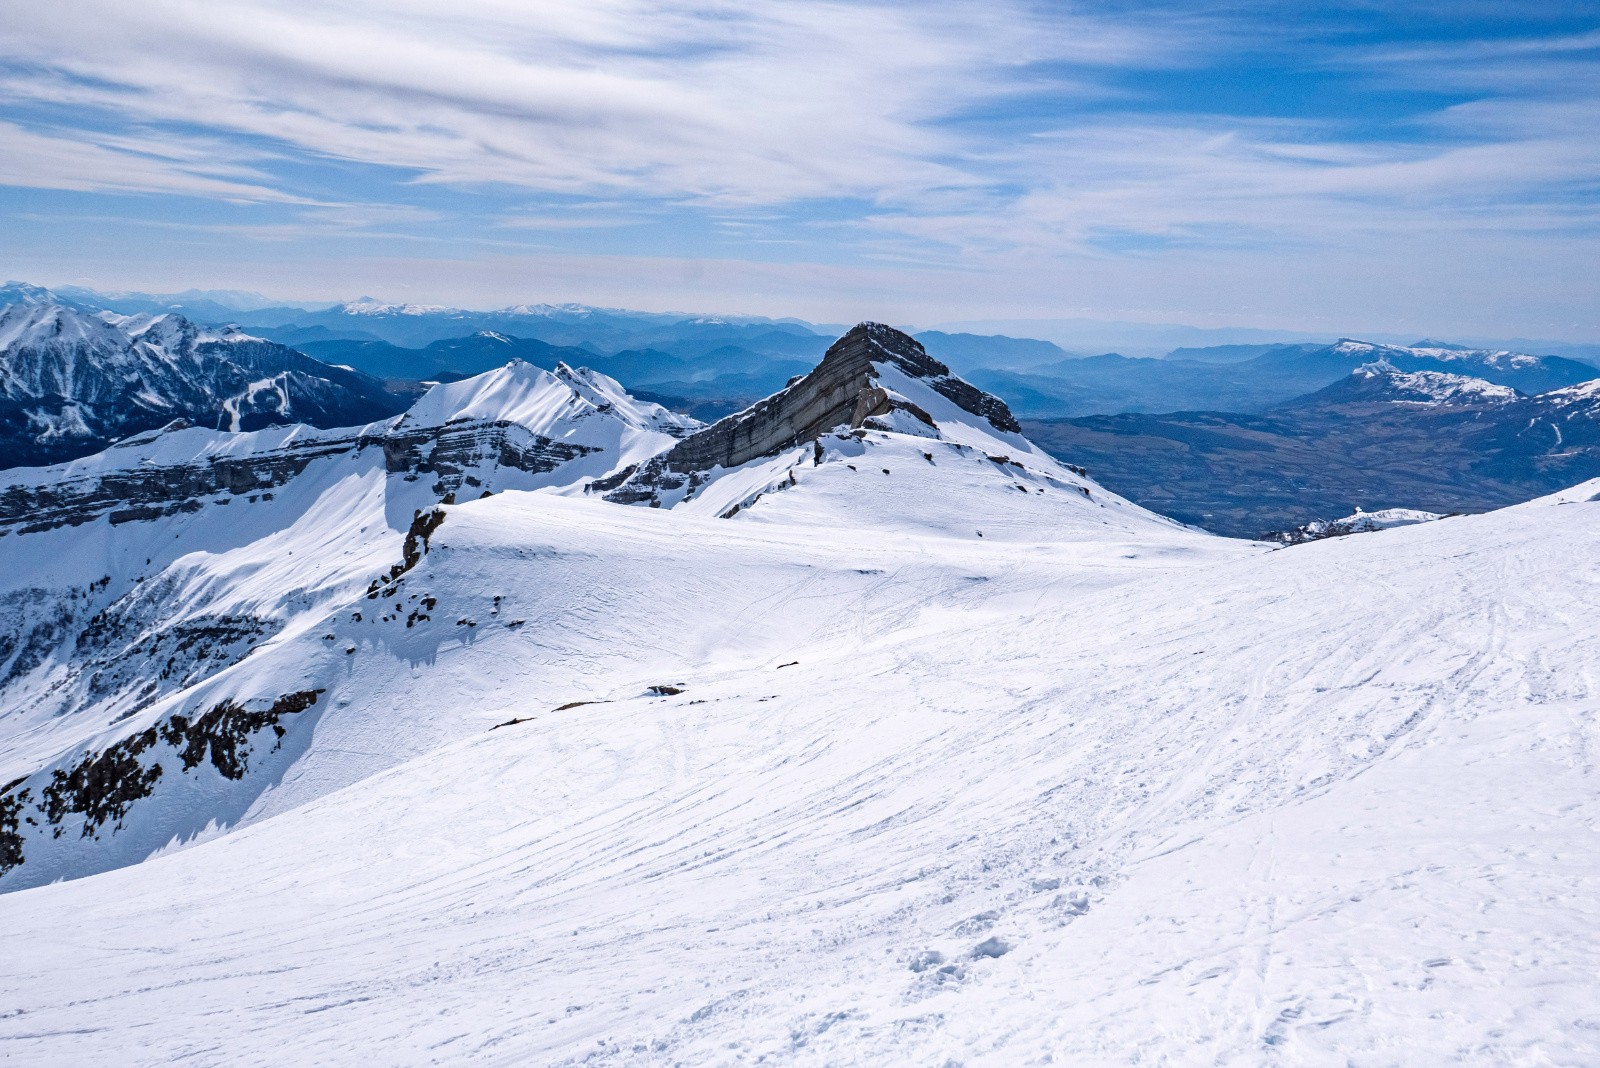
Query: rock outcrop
(459, 438)
(845, 389)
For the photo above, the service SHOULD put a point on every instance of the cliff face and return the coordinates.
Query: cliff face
(505, 427)
(458, 458)
(843, 390)
(143, 491)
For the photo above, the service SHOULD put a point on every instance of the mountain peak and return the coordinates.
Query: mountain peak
(544, 402)
(86, 378)
(373, 306)
(1382, 381)
(14, 292)
(32, 318)
(874, 376)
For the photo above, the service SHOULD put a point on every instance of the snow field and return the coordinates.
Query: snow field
(1113, 795)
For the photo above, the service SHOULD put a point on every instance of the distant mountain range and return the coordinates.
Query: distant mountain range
(74, 379)
(1380, 437)
(1250, 378)
(1244, 439)
(712, 365)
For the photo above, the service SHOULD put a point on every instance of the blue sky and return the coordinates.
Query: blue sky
(1343, 167)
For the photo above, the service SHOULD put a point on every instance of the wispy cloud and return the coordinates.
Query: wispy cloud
(121, 164)
(751, 102)
(1020, 135)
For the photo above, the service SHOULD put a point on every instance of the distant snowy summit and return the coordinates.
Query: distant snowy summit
(1522, 371)
(374, 306)
(1498, 420)
(1381, 380)
(74, 379)
(1359, 523)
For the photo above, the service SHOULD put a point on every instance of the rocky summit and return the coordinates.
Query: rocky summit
(853, 387)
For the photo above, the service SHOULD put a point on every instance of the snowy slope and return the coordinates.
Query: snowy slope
(1096, 801)
(927, 752)
(1574, 402)
(1384, 380)
(575, 406)
(144, 575)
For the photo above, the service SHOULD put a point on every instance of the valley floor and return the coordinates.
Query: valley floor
(1106, 799)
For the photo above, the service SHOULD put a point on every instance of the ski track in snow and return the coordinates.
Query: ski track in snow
(1103, 801)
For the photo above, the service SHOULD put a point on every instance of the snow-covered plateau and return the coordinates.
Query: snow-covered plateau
(541, 726)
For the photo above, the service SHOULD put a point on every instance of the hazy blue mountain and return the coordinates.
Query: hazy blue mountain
(966, 352)
(1378, 438)
(599, 329)
(238, 300)
(1112, 384)
(462, 356)
(715, 379)
(1234, 353)
(1136, 339)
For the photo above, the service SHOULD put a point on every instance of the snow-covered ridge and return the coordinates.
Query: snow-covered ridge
(15, 292)
(42, 322)
(880, 429)
(550, 311)
(1436, 387)
(370, 306)
(1369, 352)
(170, 330)
(514, 427)
(77, 379)
(872, 378)
(541, 401)
(1359, 522)
(1581, 394)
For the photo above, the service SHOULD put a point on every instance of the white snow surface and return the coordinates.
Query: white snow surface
(545, 402)
(1360, 522)
(1502, 358)
(1581, 399)
(972, 762)
(1439, 387)
(1389, 517)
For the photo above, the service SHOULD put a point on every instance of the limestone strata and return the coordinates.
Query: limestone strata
(450, 454)
(842, 390)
